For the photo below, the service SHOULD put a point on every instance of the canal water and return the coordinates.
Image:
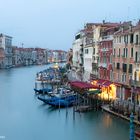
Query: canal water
(24, 117)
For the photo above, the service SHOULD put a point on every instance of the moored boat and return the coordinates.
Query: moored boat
(60, 97)
(43, 90)
(65, 101)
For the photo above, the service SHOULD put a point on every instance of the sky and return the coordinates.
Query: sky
(53, 23)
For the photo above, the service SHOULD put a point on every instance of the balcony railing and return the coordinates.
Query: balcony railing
(134, 83)
(108, 37)
(104, 50)
(103, 65)
(137, 61)
(123, 55)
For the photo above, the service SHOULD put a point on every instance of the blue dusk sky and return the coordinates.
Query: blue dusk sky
(53, 23)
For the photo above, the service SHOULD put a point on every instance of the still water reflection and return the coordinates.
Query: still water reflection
(23, 117)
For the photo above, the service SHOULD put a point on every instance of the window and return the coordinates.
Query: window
(130, 68)
(131, 52)
(122, 78)
(119, 52)
(137, 39)
(124, 67)
(118, 65)
(136, 57)
(131, 38)
(135, 76)
(123, 52)
(120, 39)
(93, 50)
(77, 36)
(125, 39)
(114, 52)
(86, 51)
(126, 50)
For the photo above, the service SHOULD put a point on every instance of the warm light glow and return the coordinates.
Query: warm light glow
(108, 93)
(92, 89)
(94, 82)
(55, 65)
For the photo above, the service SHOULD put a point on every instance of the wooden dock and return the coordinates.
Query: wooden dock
(106, 108)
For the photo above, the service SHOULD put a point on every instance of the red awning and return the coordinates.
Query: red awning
(101, 82)
(83, 85)
(107, 83)
(117, 84)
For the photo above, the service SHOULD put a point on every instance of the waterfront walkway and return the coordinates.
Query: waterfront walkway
(73, 76)
(107, 109)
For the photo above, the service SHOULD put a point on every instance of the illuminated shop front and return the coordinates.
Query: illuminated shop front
(108, 89)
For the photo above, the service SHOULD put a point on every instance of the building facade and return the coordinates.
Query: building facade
(106, 53)
(6, 44)
(126, 64)
(2, 56)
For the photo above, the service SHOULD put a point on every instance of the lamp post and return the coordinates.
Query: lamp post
(131, 127)
(133, 90)
(131, 136)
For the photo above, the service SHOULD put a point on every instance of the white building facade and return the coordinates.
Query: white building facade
(6, 44)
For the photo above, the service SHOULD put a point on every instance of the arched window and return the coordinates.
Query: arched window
(126, 52)
(119, 51)
(131, 52)
(123, 52)
(136, 56)
(114, 52)
(135, 75)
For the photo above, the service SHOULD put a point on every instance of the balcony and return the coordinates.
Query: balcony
(137, 44)
(117, 69)
(108, 37)
(104, 50)
(104, 65)
(137, 61)
(134, 83)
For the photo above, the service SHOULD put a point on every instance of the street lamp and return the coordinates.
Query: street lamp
(133, 91)
(134, 94)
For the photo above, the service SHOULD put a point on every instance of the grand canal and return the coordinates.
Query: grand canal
(23, 117)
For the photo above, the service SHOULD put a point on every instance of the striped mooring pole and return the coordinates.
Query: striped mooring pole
(132, 126)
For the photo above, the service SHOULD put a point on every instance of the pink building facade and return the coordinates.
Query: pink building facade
(126, 64)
